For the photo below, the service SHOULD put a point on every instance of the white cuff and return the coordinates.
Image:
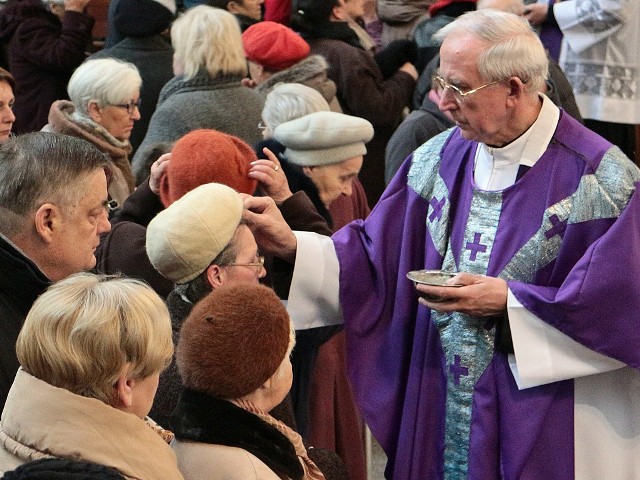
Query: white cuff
(314, 295)
(544, 354)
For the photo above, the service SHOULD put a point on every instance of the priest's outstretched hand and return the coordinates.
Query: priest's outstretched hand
(480, 296)
(269, 228)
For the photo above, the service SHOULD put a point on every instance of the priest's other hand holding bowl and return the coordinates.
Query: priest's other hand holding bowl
(479, 295)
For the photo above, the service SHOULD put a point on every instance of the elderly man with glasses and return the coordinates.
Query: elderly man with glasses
(524, 364)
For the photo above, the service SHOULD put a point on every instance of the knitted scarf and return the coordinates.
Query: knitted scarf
(64, 118)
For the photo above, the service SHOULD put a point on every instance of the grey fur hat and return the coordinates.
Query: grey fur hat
(323, 138)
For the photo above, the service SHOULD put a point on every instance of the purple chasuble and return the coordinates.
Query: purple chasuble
(567, 240)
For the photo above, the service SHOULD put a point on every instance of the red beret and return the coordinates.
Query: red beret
(274, 46)
(207, 156)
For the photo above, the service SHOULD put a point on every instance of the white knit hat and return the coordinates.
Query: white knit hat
(183, 239)
(323, 138)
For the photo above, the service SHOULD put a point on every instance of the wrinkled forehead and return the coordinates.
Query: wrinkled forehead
(459, 54)
(243, 240)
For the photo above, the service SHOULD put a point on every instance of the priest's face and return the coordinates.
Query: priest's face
(477, 105)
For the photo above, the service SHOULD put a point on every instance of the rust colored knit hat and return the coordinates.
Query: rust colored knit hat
(233, 341)
(207, 156)
(274, 46)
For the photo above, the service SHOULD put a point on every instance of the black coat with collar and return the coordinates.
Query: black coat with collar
(21, 282)
(201, 418)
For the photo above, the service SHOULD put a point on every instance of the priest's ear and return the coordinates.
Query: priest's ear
(517, 89)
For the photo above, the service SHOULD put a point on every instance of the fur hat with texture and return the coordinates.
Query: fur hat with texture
(184, 238)
(233, 341)
(323, 138)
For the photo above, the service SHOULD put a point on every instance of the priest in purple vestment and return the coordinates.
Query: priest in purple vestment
(529, 370)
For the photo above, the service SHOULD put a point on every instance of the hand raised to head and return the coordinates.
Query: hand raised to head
(271, 177)
(157, 170)
(269, 228)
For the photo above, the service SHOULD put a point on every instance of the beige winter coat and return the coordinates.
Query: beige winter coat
(42, 421)
(204, 461)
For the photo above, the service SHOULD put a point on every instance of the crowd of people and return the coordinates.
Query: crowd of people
(207, 222)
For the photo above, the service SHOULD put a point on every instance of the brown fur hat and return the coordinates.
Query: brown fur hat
(233, 341)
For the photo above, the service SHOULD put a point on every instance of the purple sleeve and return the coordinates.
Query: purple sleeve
(598, 303)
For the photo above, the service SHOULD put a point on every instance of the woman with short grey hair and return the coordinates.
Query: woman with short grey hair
(105, 96)
(206, 92)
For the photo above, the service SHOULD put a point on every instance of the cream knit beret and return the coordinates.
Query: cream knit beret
(323, 138)
(183, 239)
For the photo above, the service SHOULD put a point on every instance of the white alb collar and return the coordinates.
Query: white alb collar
(497, 168)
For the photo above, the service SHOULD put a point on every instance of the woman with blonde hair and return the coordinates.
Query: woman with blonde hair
(206, 92)
(91, 351)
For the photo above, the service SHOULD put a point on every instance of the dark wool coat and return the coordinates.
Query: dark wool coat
(43, 53)
(122, 250)
(21, 282)
(363, 92)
